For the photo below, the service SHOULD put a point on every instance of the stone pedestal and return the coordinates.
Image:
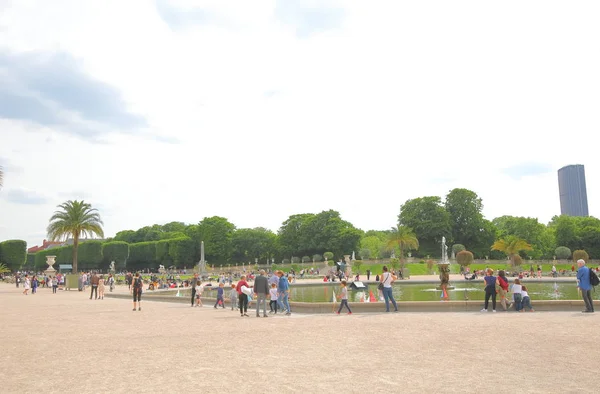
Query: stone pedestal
(50, 271)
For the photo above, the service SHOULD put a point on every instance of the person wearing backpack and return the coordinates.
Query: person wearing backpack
(137, 292)
(584, 285)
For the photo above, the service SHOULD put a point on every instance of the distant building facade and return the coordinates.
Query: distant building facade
(572, 191)
(45, 245)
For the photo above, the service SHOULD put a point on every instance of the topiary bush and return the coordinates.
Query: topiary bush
(464, 258)
(328, 255)
(580, 254)
(13, 253)
(562, 253)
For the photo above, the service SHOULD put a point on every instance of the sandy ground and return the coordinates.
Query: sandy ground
(67, 343)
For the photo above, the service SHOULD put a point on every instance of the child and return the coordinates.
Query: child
(233, 295)
(54, 285)
(344, 296)
(517, 297)
(526, 301)
(198, 289)
(220, 293)
(274, 296)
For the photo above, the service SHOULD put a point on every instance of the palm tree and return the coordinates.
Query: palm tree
(76, 218)
(511, 245)
(404, 238)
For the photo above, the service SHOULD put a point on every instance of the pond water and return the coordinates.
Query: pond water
(418, 292)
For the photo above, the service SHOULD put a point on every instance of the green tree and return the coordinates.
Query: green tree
(141, 255)
(75, 218)
(456, 248)
(13, 253)
(3, 268)
(90, 255)
(217, 234)
(128, 236)
(305, 259)
(364, 254)
(182, 251)
(317, 258)
(253, 243)
(116, 251)
(356, 265)
(328, 255)
(291, 234)
(374, 244)
(404, 239)
(466, 221)
(511, 245)
(562, 253)
(429, 220)
(529, 230)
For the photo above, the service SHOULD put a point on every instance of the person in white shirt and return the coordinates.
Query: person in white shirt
(274, 295)
(516, 289)
(526, 302)
(344, 297)
(198, 289)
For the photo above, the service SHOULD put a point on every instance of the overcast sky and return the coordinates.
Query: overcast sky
(175, 110)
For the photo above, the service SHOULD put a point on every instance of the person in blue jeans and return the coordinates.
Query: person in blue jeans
(517, 289)
(387, 279)
(284, 292)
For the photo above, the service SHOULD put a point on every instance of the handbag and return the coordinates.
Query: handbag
(380, 286)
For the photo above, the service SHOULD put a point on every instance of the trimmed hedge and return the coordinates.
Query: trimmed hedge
(141, 255)
(13, 253)
(89, 255)
(117, 251)
(182, 251)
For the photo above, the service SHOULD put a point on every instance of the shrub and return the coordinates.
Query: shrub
(364, 254)
(356, 264)
(580, 254)
(141, 255)
(317, 257)
(13, 253)
(305, 259)
(562, 253)
(162, 252)
(285, 261)
(517, 260)
(182, 251)
(296, 260)
(464, 258)
(457, 248)
(328, 255)
(89, 255)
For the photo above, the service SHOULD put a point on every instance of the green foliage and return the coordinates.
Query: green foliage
(356, 265)
(328, 255)
(286, 261)
(464, 258)
(394, 263)
(364, 254)
(403, 238)
(182, 251)
(512, 246)
(251, 243)
(162, 253)
(13, 253)
(296, 260)
(295, 267)
(529, 230)
(466, 221)
(117, 251)
(305, 259)
(575, 233)
(4, 269)
(217, 234)
(90, 255)
(562, 253)
(429, 220)
(458, 248)
(317, 258)
(374, 244)
(76, 219)
(141, 255)
(581, 254)
(30, 262)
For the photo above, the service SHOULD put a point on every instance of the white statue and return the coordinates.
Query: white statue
(112, 266)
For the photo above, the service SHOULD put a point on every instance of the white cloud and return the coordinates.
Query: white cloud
(396, 100)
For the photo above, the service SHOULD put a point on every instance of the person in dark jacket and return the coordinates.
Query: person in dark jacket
(261, 289)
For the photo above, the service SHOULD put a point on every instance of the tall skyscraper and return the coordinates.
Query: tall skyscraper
(572, 190)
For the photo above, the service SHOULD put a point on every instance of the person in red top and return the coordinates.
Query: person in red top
(503, 283)
(242, 298)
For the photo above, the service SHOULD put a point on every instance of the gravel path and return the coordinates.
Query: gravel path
(67, 343)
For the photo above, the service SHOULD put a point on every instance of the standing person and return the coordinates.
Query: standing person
(26, 285)
(503, 290)
(261, 289)
(101, 287)
(54, 284)
(490, 290)
(233, 296)
(517, 296)
(94, 282)
(344, 297)
(273, 296)
(368, 274)
(242, 297)
(284, 293)
(554, 273)
(220, 296)
(34, 284)
(386, 279)
(193, 284)
(198, 292)
(137, 285)
(111, 282)
(539, 271)
(17, 280)
(584, 285)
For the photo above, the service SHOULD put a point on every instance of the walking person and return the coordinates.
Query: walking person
(344, 297)
(284, 293)
(242, 297)
(386, 280)
(273, 295)
(137, 286)
(111, 282)
(220, 296)
(193, 284)
(34, 284)
(94, 282)
(261, 289)
(490, 290)
(584, 285)
(101, 287)
(198, 292)
(26, 285)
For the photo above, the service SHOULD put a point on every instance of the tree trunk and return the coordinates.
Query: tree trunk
(75, 246)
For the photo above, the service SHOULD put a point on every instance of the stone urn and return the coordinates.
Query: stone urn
(50, 271)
